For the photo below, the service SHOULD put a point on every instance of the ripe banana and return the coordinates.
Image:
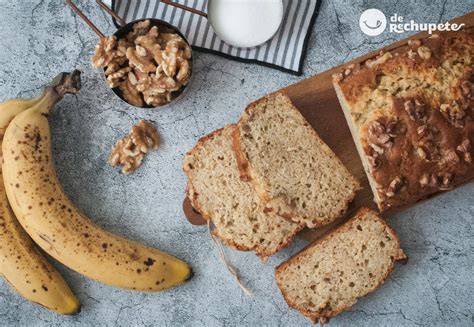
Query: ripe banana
(57, 226)
(13, 107)
(21, 263)
(26, 269)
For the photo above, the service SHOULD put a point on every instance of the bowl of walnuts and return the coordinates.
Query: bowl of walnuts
(146, 62)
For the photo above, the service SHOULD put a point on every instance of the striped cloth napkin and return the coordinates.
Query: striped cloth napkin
(285, 51)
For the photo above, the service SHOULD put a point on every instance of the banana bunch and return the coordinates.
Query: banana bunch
(51, 219)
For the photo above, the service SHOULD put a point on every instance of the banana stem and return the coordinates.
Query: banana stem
(63, 83)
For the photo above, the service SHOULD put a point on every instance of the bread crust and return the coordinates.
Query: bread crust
(246, 173)
(323, 315)
(193, 196)
(433, 107)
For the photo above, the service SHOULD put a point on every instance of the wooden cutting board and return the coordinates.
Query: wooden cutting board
(316, 99)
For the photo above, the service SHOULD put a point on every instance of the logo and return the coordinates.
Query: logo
(398, 25)
(372, 22)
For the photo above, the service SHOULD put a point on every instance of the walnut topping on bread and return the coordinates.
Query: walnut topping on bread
(425, 89)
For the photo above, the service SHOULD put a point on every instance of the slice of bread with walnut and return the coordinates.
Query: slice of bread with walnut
(295, 173)
(217, 192)
(329, 275)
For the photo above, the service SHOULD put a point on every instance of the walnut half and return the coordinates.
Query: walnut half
(130, 151)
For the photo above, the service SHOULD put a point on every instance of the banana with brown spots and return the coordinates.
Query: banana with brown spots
(59, 228)
(21, 263)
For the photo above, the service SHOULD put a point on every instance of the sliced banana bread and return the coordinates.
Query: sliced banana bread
(329, 275)
(295, 173)
(217, 192)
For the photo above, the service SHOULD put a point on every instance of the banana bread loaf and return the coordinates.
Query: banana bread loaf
(411, 115)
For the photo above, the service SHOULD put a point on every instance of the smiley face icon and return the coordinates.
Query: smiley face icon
(372, 22)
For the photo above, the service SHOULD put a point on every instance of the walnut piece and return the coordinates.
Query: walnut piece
(411, 54)
(467, 89)
(148, 66)
(140, 28)
(130, 151)
(374, 161)
(454, 113)
(380, 59)
(424, 180)
(414, 43)
(382, 136)
(424, 52)
(130, 93)
(415, 109)
(145, 136)
(104, 52)
(428, 150)
(135, 59)
(114, 79)
(465, 149)
(445, 182)
(395, 186)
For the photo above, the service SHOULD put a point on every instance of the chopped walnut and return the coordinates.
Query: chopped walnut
(467, 89)
(449, 159)
(395, 186)
(156, 84)
(415, 109)
(445, 182)
(130, 151)
(428, 150)
(104, 52)
(424, 180)
(394, 128)
(454, 113)
(155, 100)
(145, 136)
(415, 43)
(374, 161)
(382, 58)
(130, 93)
(421, 130)
(132, 78)
(382, 136)
(149, 42)
(465, 149)
(338, 77)
(144, 64)
(148, 66)
(141, 51)
(114, 79)
(377, 148)
(411, 54)
(140, 28)
(350, 69)
(376, 128)
(122, 46)
(424, 52)
(421, 153)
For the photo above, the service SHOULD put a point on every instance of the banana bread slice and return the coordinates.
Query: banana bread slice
(217, 192)
(295, 173)
(329, 275)
(411, 114)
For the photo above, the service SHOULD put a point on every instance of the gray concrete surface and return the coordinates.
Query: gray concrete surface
(41, 38)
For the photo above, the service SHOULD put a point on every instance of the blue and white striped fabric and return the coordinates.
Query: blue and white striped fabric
(284, 51)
